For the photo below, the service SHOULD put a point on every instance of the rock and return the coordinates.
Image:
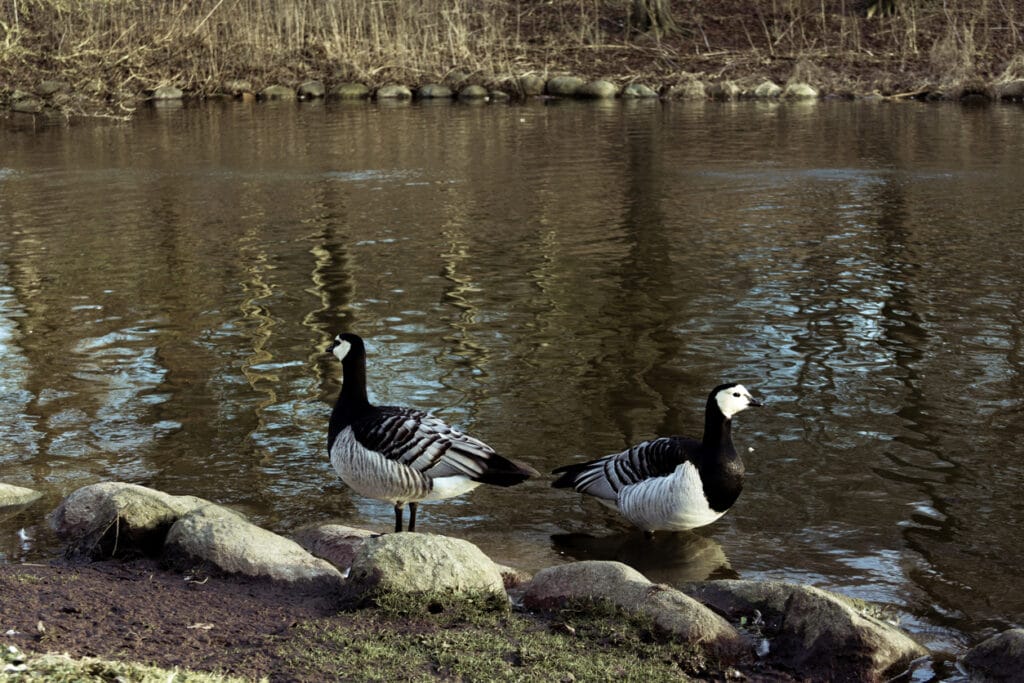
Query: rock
(824, 634)
(215, 536)
(1010, 90)
(530, 85)
(563, 86)
(689, 90)
(111, 519)
(434, 91)
(553, 587)
(238, 87)
(393, 92)
(420, 564)
(799, 91)
(723, 90)
(1000, 658)
(473, 92)
(49, 88)
(277, 92)
(628, 589)
(336, 543)
(350, 91)
(638, 90)
(598, 90)
(499, 96)
(311, 90)
(27, 105)
(11, 496)
(167, 92)
(456, 78)
(821, 635)
(767, 90)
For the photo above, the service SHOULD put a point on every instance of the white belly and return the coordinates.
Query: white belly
(672, 503)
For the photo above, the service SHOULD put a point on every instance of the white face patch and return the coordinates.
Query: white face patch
(341, 349)
(734, 400)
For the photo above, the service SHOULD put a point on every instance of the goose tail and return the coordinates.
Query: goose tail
(502, 471)
(569, 474)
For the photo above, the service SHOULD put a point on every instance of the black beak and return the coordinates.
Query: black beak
(754, 403)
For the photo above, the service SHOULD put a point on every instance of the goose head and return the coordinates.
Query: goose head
(732, 399)
(346, 345)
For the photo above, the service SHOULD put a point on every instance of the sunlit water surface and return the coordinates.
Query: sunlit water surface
(560, 280)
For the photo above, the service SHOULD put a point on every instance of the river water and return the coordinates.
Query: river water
(561, 280)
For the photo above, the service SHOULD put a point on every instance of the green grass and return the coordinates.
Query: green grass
(441, 639)
(17, 666)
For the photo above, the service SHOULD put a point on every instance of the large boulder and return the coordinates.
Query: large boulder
(767, 90)
(623, 586)
(350, 91)
(530, 85)
(1010, 90)
(563, 86)
(639, 90)
(394, 91)
(800, 91)
(311, 90)
(723, 90)
(688, 90)
(336, 543)
(114, 519)
(213, 536)
(414, 564)
(11, 496)
(434, 91)
(820, 635)
(598, 90)
(278, 92)
(237, 87)
(1000, 658)
(473, 92)
(167, 92)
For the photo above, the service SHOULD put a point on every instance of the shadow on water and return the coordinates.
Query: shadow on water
(669, 557)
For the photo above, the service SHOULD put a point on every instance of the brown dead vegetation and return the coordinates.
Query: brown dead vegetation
(114, 52)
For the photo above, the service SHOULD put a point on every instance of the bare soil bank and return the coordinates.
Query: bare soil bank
(252, 629)
(82, 57)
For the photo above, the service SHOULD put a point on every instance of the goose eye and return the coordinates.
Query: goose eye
(736, 394)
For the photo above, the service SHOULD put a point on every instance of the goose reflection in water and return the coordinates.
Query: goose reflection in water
(672, 558)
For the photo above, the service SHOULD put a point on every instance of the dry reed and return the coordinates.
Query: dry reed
(115, 49)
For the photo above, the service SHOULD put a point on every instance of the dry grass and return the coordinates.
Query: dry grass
(116, 49)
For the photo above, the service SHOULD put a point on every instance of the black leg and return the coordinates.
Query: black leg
(412, 516)
(398, 516)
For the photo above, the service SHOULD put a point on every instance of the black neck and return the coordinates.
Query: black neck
(717, 430)
(352, 399)
(720, 465)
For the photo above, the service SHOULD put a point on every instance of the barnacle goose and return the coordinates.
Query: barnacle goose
(671, 483)
(402, 455)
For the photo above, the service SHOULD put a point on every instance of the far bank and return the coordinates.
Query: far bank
(75, 58)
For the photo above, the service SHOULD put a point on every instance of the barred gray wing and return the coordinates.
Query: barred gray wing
(423, 442)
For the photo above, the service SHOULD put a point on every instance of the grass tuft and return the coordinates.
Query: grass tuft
(17, 666)
(588, 641)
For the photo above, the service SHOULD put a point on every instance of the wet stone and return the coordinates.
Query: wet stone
(434, 91)
(350, 91)
(277, 92)
(312, 89)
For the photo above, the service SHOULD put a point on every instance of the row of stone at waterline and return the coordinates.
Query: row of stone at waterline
(526, 86)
